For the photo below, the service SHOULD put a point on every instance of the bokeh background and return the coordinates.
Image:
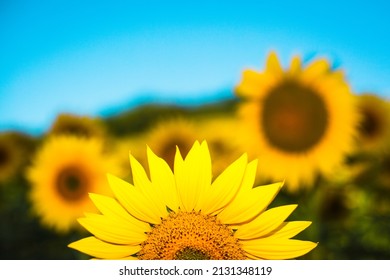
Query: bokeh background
(131, 74)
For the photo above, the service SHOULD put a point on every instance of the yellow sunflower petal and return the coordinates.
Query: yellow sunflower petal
(134, 201)
(180, 179)
(162, 178)
(204, 175)
(316, 69)
(249, 177)
(110, 207)
(273, 65)
(193, 176)
(143, 185)
(265, 222)
(277, 249)
(248, 204)
(131, 258)
(252, 81)
(225, 187)
(100, 249)
(251, 257)
(296, 65)
(290, 229)
(128, 258)
(111, 231)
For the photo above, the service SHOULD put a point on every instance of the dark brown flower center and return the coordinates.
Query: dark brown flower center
(294, 117)
(371, 124)
(4, 156)
(72, 184)
(74, 129)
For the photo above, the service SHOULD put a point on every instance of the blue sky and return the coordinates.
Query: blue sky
(88, 56)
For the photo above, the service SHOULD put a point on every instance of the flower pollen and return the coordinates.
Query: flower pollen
(4, 156)
(191, 236)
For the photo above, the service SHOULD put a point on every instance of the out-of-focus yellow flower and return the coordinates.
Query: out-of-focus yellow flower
(14, 148)
(374, 129)
(169, 134)
(186, 215)
(65, 170)
(221, 136)
(300, 122)
(121, 149)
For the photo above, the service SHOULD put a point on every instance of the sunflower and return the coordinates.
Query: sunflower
(374, 128)
(64, 171)
(120, 148)
(184, 215)
(169, 133)
(220, 134)
(13, 153)
(71, 124)
(333, 204)
(301, 122)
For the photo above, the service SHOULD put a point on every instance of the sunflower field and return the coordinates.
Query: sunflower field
(320, 150)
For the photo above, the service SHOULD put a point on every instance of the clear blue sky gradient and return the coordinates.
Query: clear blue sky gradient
(88, 56)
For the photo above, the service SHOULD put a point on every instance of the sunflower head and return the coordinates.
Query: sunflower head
(9, 159)
(374, 127)
(169, 134)
(333, 205)
(120, 147)
(14, 153)
(186, 215)
(301, 121)
(64, 171)
(221, 135)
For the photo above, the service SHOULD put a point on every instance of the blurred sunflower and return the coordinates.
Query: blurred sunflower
(300, 122)
(10, 158)
(184, 215)
(83, 126)
(333, 203)
(14, 148)
(374, 128)
(120, 150)
(169, 133)
(65, 170)
(221, 136)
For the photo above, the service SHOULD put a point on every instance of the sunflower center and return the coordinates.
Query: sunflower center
(294, 117)
(370, 126)
(191, 236)
(72, 184)
(77, 130)
(189, 253)
(4, 156)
